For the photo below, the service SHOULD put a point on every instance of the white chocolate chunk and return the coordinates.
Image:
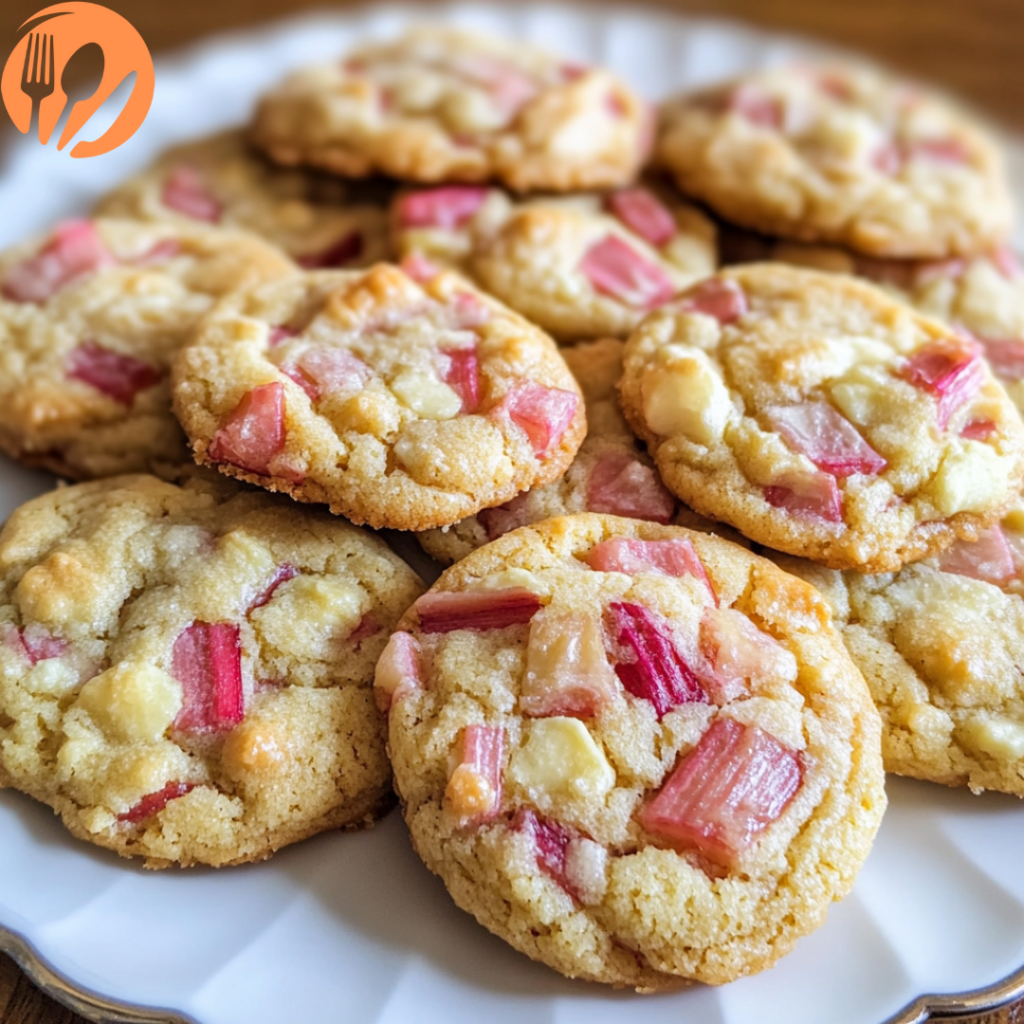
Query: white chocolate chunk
(132, 702)
(426, 395)
(561, 759)
(512, 578)
(971, 479)
(686, 396)
(996, 736)
(307, 615)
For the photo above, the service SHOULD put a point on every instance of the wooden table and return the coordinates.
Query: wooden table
(976, 48)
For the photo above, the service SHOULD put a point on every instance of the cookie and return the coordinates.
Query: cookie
(186, 673)
(608, 475)
(221, 180)
(840, 154)
(90, 317)
(399, 404)
(442, 104)
(581, 267)
(982, 295)
(940, 644)
(632, 750)
(822, 418)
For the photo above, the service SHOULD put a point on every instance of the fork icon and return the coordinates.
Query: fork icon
(37, 86)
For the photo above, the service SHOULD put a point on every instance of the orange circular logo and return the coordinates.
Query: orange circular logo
(31, 87)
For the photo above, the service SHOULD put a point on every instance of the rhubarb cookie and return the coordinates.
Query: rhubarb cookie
(90, 317)
(982, 295)
(608, 475)
(820, 417)
(399, 403)
(940, 644)
(442, 104)
(841, 155)
(186, 673)
(634, 752)
(316, 220)
(580, 267)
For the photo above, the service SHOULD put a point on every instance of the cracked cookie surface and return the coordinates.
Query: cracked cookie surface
(636, 753)
(185, 673)
(819, 417)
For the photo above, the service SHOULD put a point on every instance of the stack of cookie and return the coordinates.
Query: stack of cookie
(640, 753)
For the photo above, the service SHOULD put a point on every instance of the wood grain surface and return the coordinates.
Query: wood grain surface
(976, 49)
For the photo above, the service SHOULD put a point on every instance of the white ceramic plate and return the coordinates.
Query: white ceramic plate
(352, 928)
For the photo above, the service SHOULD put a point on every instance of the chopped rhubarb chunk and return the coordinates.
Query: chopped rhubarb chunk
(117, 376)
(1005, 357)
(253, 435)
(647, 660)
(34, 643)
(419, 268)
(282, 574)
(398, 670)
(544, 413)
(346, 249)
(978, 430)
(279, 335)
(207, 661)
(323, 371)
(567, 670)
(951, 370)
(154, 803)
(644, 213)
(500, 520)
(939, 270)
(811, 494)
(721, 298)
(1006, 262)
(621, 485)
(75, 250)
(474, 787)
(989, 558)
(469, 312)
(615, 269)
(675, 557)
(550, 842)
(826, 437)
(462, 375)
(186, 193)
(159, 253)
(447, 207)
(738, 655)
(946, 151)
(725, 792)
(443, 611)
(756, 106)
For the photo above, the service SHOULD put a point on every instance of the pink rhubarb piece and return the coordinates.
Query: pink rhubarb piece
(950, 369)
(323, 371)
(544, 413)
(462, 375)
(279, 335)
(719, 297)
(621, 485)
(419, 268)
(756, 106)
(154, 803)
(398, 670)
(550, 841)
(674, 557)
(74, 251)
(207, 661)
(168, 249)
(643, 213)
(736, 654)
(808, 494)
(34, 643)
(445, 610)
(448, 207)
(186, 193)
(340, 253)
(647, 660)
(1006, 262)
(479, 773)
(1005, 357)
(725, 792)
(979, 430)
(616, 270)
(117, 376)
(501, 519)
(567, 670)
(282, 574)
(989, 558)
(826, 437)
(253, 436)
